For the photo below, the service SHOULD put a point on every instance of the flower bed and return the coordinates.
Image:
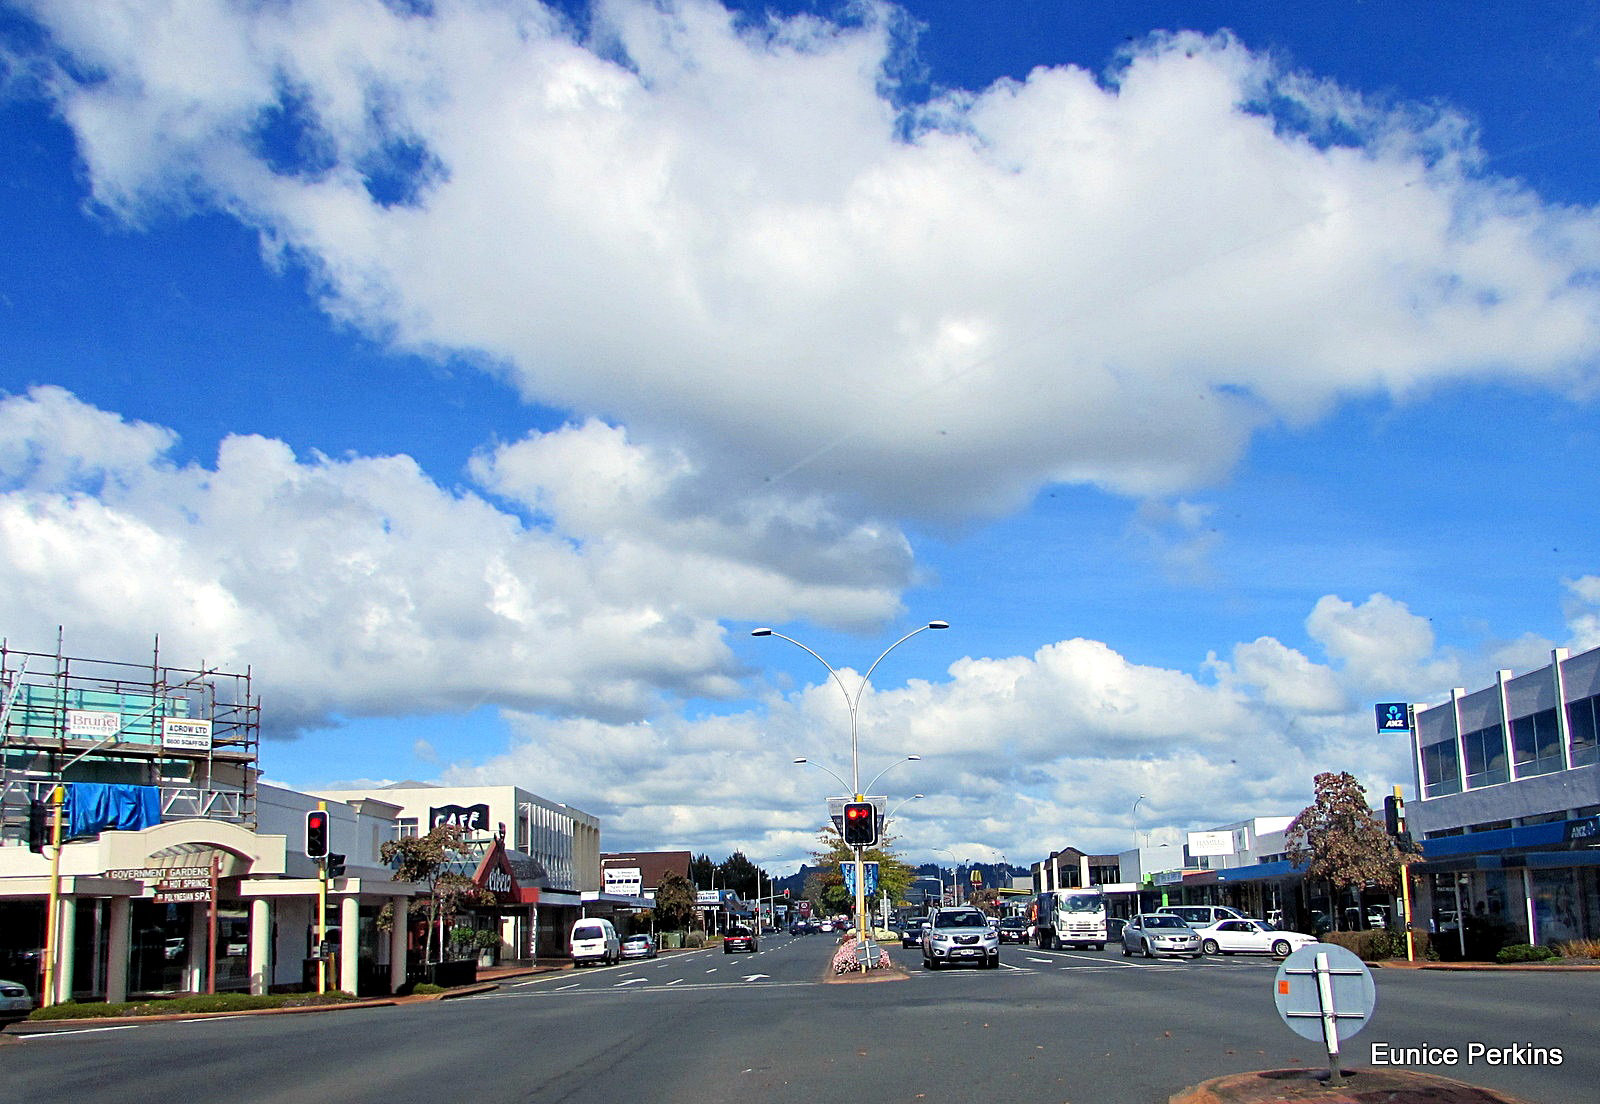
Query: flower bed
(844, 959)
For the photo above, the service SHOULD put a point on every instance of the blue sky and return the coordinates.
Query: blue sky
(481, 374)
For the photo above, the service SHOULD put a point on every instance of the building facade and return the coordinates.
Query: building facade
(1508, 807)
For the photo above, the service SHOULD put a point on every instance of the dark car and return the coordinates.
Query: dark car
(1013, 929)
(739, 939)
(912, 935)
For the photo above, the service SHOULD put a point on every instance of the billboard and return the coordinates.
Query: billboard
(1210, 843)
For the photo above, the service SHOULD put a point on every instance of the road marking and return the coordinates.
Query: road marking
(630, 981)
(756, 977)
(563, 988)
(675, 981)
(1046, 961)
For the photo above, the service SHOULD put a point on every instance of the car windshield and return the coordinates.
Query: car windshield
(1163, 922)
(959, 920)
(1084, 902)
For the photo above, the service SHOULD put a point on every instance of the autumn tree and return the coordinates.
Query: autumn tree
(674, 902)
(427, 860)
(894, 876)
(1338, 840)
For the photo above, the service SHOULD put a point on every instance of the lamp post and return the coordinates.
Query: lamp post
(1134, 816)
(853, 703)
(955, 865)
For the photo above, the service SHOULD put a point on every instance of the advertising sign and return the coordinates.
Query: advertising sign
(1210, 843)
(626, 880)
(849, 871)
(468, 818)
(708, 897)
(1393, 717)
(180, 734)
(83, 722)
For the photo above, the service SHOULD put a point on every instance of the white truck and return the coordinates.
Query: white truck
(1070, 917)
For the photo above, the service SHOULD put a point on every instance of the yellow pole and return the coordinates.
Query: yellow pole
(53, 911)
(322, 912)
(1405, 903)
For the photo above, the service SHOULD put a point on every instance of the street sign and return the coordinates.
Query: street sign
(1325, 992)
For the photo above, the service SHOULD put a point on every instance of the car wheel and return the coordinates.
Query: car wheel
(1148, 952)
(929, 964)
(1099, 946)
(1281, 948)
(1209, 947)
(1127, 951)
(993, 963)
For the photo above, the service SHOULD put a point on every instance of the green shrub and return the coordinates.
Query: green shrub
(1378, 944)
(1525, 952)
(695, 939)
(426, 989)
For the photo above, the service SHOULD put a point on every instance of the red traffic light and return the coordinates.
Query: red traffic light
(860, 824)
(317, 833)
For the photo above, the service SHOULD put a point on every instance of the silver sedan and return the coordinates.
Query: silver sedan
(1156, 933)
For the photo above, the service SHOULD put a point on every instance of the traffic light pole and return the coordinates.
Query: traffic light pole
(322, 916)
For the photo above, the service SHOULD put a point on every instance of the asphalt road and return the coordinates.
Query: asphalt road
(707, 1027)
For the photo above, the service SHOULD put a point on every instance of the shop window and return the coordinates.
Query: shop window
(1581, 731)
(1536, 744)
(1486, 757)
(1441, 771)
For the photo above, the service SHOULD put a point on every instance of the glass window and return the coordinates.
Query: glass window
(1486, 757)
(1536, 744)
(1441, 772)
(1581, 730)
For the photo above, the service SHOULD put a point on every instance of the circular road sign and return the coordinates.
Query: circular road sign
(1298, 991)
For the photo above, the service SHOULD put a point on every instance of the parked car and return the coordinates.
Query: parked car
(1159, 933)
(1200, 916)
(1012, 929)
(15, 1003)
(912, 935)
(959, 934)
(639, 946)
(594, 940)
(1114, 926)
(739, 939)
(1250, 937)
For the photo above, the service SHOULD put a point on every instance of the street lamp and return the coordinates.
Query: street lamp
(853, 703)
(1134, 816)
(955, 869)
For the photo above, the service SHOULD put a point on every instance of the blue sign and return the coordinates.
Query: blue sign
(1393, 717)
(848, 869)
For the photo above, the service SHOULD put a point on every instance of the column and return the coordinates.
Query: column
(199, 946)
(349, 943)
(398, 943)
(117, 950)
(260, 946)
(66, 940)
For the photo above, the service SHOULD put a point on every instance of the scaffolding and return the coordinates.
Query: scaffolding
(193, 733)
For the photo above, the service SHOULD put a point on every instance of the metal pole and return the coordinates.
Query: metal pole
(322, 913)
(1330, 1018)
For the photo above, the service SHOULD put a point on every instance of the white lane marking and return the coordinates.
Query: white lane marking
(675, 981)
(631, 981)
(756, 977)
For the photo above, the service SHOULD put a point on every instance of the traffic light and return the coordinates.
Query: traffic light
(317, 833)
(860, 824)
(1394, 816)
(38, 826)
(335, 865)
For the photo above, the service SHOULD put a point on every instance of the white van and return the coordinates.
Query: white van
(1202, 916)
(594, 940)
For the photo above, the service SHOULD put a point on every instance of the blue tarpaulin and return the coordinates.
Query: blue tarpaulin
(93, 807)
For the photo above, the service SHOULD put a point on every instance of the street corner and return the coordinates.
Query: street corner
(1361, 1086)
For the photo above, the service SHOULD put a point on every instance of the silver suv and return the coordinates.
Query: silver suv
(960, 934)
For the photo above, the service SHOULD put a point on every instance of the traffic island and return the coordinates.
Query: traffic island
(1360, 1086)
